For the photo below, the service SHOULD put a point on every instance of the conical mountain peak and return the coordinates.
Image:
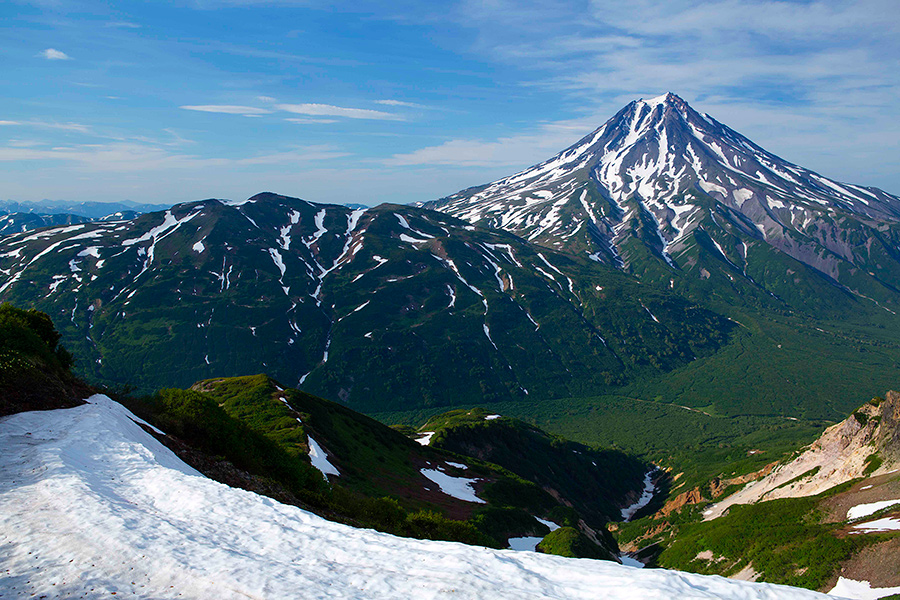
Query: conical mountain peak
(658, 165)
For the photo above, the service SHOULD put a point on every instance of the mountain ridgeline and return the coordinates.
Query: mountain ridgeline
(383, 309)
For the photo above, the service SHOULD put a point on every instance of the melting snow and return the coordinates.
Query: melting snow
(426, 438)
(650, 313)
(319, 459)
(647, 495)
(452, 296)
(379, 260)
(491, 417)
(91, 251)
(879, 525)
(410, 239)
(457, 487)
(320, 229)
(487, 332)
(860, 590)
(553, 526)
(864, 510)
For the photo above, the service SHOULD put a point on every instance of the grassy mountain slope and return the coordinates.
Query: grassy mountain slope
(596, 483)
(378, 463)
(34, 367)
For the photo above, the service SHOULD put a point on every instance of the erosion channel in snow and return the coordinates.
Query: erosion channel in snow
(91, 505)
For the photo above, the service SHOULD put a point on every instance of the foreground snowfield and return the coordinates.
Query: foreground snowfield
(90, 504)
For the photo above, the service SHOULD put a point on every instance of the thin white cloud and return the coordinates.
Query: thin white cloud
(309, 120)
(401, 103)
(327, 110)
(228, 109)
(75, 127)
(266, 99)
(512, 151)
(24, 143)
(122, 25)
(129, 157)
(54, 54)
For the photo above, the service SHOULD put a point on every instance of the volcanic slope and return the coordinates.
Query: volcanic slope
(665, 191)
(383, 309)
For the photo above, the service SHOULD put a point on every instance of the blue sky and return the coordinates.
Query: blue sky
(401, 101)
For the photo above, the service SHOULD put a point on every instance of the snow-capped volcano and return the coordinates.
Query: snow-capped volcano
(658, 171)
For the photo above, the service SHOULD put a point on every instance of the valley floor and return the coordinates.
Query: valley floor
(91, 504)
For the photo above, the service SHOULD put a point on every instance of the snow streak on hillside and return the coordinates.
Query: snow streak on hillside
(91, 505)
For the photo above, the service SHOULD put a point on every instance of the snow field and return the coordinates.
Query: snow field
(91, 504)
(319, 459)
(860, 590)
(864, 510)
(646, 496)
(460, 488)
(878, 526)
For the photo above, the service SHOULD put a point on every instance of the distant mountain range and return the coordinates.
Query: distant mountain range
(91, 210)
(383, 309)
(18, 217)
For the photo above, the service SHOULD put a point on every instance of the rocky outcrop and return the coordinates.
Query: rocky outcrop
(867, 442)
(681, 500)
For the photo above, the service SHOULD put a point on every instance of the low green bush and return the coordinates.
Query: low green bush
(568, 541)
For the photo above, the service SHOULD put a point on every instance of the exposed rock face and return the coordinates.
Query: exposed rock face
(840, 454)
(681, 500)
(887, 437)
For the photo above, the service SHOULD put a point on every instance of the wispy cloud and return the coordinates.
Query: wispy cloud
(122, 25)
(511, 151)
(314, 112)
(54, 54)
(74, 127)
(309, 121)
(327, 110)
(228, 109)
(401, 103)
(127, 157)
(734, 48)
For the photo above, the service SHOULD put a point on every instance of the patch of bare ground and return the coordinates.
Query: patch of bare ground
(746, 574)
(879, 564)
(871, 489)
